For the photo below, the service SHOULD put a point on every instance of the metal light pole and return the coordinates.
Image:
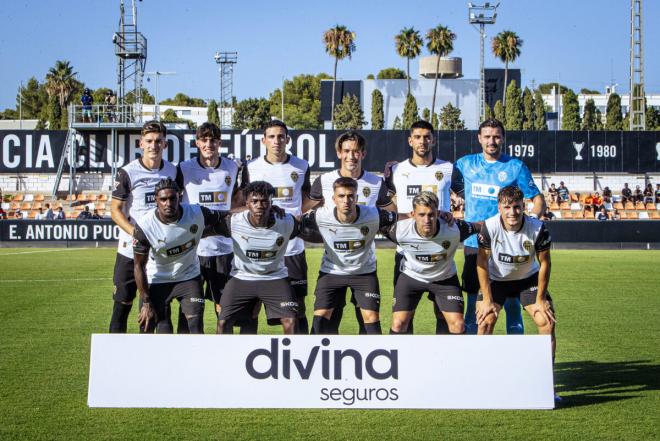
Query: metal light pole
(157, 74)
(20, 106)
(482, 15)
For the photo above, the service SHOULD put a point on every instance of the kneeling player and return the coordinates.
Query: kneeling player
(428, 245)
(165, 244)
(260, 241)
(349, 261)
(514, 261)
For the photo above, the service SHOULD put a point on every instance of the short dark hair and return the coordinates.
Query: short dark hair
(208, 130)
(493, 123)
(154, 126)
(510, 193)
(421, 124)
(351, 135)
(261, 188)
(165, 184)
(345, 182)
(276, 123)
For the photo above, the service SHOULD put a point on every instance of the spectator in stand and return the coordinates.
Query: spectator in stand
(96, 215)
(49, 213)
(547, 214)
(3, 213)
(616, 215)
(597, 202)
(41, 215)
(86, 100)
(60, 214)
(657, 193)
(110, 103)
(602, 214)
(607, 195)
(648, 193)
(563, 192)
(552, 194)
(18, 214)
(588, 204)
(626, 194)
(638, 195)
(85, 214)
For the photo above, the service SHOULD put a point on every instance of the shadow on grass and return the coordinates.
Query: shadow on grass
(584, 383)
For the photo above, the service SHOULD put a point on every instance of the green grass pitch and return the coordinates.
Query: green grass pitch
(608, 360)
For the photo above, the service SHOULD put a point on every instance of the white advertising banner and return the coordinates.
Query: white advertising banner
(335, 371)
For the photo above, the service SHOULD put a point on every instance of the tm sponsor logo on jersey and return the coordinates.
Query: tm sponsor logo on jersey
(212, 197)
(179, 249)
(485, 191)
(508, 258)
(260, 254)
(430, 258)
(343, 364)
(414, 190)
(150, 198)
(349, 245)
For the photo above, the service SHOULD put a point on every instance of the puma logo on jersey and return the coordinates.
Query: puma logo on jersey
(332, 230)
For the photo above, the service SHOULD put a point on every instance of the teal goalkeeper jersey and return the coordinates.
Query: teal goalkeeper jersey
(481, 181)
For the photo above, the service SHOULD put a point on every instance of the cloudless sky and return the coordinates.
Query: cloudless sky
(578, 43)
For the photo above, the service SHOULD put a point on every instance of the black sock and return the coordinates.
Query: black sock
(195, 324)
(362, 330)
(441, 326)
(182, 324)
(335, 321)
(249, 326)
(373, 328)
(411, 328)
(321, 325)
(119, 319)
(302, 327)
(393, 332)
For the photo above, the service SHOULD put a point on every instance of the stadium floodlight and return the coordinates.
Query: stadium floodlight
(482, 15)
(157, 74)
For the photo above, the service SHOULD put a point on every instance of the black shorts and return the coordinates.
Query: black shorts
(398, 258)
(524, 289)
(331, 291)
(123, 278)
(215, 273)
(239, 296)
(469, 278)
(297, 267)
(446, 294)
(188, 292)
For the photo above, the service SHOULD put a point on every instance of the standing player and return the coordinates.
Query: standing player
(210, 181)
(132, 196)
(514, 262)
(421, 172)
(478, 178)
(351, 150)
(165, 242)
(290, 177)
(260, 241)
(348, 231)
(428, 245)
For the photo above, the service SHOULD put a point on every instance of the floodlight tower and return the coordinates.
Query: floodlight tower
(482, 15)
(636, 96)
(157, 74)
(131, 52)
(226, 60)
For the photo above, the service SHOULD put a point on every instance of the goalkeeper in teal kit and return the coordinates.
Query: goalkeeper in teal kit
(477, 178)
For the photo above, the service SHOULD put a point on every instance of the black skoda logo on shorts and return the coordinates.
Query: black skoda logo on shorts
(194, 228)
(279, 241)
(439, 175)
(446, 244)
(366, 191)
(294, 176)
(228, 180)
(364, 230)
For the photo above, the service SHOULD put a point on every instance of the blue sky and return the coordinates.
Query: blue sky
(578, 43)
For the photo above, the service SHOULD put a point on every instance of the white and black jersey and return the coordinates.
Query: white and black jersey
(210, 187)
(259, 251)
(290, 180)
(172, 246)
(349, 248)
(407, 180)
(371, 191)
(135, 185)
(513, 253)
(429, 259)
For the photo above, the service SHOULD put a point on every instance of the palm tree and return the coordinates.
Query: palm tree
(506, 46)
(408, 45)
(440, 42)
(339, 44)
(61, 82)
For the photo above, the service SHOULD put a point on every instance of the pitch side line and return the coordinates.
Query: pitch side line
(44, 251)
(91, 279)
